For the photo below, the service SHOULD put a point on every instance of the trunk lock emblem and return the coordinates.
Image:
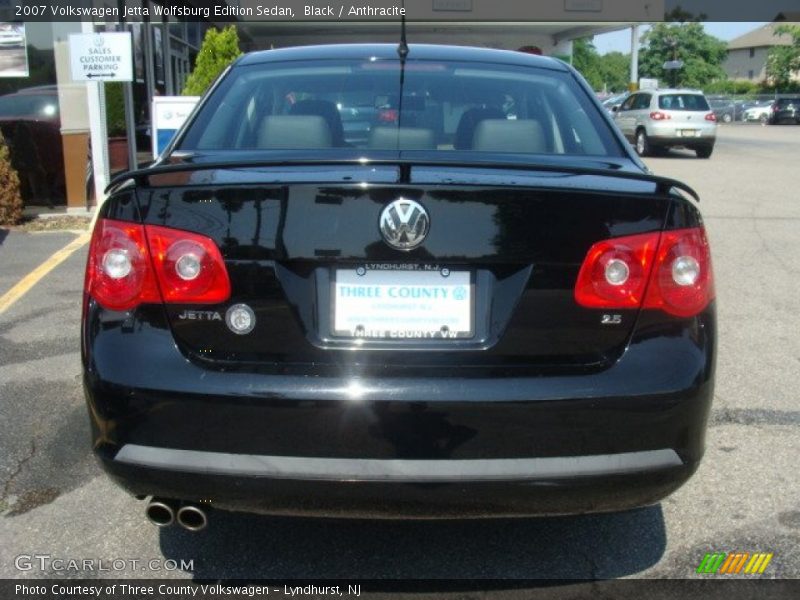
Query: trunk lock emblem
(404, 224)
(240, 319)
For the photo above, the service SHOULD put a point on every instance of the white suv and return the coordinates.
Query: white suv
(660, 119)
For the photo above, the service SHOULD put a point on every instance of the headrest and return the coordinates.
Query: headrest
(294, 132)
(401, 138)
(325, 109)
(509, 135)
(469, 120)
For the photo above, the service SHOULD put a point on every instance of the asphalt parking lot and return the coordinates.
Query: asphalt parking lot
(745, 496)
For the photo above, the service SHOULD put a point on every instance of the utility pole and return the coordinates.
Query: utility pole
(675, 63)
(672, 44)
(633, 84)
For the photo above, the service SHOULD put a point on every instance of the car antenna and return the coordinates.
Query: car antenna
(402, 52)
(402, 48)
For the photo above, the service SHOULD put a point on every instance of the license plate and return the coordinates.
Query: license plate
(688, 132)
(402, 304)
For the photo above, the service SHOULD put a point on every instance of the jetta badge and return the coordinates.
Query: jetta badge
(404, 224)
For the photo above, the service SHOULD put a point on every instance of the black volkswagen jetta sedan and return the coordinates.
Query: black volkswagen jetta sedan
(482, 305)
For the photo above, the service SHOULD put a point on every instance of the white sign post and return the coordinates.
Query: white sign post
(101, 56)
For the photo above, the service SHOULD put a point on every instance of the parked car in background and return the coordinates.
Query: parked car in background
(12, 35)
(486, 307)
(31, 124)
(655, 120)
(613, 103)
(785, 111)
(724, 109)
(758, 112)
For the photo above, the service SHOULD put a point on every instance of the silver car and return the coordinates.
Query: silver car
(655, 120)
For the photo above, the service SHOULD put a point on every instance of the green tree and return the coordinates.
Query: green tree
(587, 61)
(702, 54)
(219, 49)
(616, 70)
(784, 61)
(602, 72)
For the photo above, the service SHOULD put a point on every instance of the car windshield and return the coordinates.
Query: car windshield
(331, 106)
(19, 105)
(682, 102)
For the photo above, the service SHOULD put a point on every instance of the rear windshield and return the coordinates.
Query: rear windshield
(332, 106)
(787, 101)
(682, 102)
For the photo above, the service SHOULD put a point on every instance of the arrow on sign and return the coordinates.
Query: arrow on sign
(111, 74)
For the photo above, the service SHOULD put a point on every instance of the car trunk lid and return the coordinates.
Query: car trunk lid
(513, 238)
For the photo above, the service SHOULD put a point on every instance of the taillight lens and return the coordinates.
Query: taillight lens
(131, 264)
(388, 115)
(189, 267)
(711, 117)
(683, 281)
(660, 116)
(118, 272)
(614, 273)
(677, 265)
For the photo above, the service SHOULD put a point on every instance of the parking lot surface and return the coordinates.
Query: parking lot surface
(745, 496)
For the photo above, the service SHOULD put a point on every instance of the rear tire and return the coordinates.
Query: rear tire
(704, 152)
(726, 118)
(642, 143)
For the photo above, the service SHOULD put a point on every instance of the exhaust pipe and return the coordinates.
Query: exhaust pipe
(160, 512)
(192, 517)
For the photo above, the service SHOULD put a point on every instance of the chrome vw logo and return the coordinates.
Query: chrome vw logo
(404, 224)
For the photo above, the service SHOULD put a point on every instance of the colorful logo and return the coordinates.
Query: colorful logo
(734, 563)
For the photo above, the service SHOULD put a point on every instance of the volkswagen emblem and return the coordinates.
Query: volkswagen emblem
(404, 224)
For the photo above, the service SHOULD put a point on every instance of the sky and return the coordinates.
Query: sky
(621, 40)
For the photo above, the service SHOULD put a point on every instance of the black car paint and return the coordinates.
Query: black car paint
(530, 389)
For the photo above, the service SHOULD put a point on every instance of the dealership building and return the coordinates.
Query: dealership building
(61, 146)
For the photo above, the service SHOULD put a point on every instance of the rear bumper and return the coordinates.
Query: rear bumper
(425, 446)
(666, 134)
(696, 142)
(568, 485)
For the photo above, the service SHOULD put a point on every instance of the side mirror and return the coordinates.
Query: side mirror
(615, 108)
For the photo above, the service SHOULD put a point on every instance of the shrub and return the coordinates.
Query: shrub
(115, 109)
(219, 49)
(10, 196)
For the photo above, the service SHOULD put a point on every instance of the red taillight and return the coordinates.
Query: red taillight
(677, 264)
(189, 267)
(388, 115)
(118, 272)
(614, 273)
(683, 282)
(660, 116)
(711, 117)
(130, 264)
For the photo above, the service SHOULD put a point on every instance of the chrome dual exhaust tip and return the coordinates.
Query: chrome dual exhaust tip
(192, 517)
(163, 513)
(160, 512)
